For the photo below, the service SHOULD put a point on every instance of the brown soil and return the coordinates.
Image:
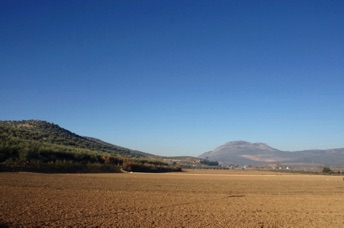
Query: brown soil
(189, 199)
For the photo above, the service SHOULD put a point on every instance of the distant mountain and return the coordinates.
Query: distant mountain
(245, 153)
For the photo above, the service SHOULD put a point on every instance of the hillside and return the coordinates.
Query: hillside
(45, 132)
(245, 153)
(40, 145)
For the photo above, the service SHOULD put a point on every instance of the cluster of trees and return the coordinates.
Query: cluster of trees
(209, 163)
(142, 165)
(327, 170)
(23, 155)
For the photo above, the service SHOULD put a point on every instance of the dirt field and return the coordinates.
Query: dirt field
(189, 199)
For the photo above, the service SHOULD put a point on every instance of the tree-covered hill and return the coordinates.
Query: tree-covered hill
(45, 132)
(33, 145)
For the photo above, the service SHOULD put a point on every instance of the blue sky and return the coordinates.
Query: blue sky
(177, 77)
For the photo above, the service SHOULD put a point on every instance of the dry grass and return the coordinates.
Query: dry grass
(191, 199)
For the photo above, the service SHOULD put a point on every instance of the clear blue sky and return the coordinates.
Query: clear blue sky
(177, 77)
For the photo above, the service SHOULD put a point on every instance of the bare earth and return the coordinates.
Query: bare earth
(188, 199)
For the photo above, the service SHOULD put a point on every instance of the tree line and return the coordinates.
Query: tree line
(17, 154)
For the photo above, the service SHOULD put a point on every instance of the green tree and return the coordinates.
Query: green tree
(327, 170)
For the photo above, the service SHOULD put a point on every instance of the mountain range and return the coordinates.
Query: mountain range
(246, 153)
(36, 140)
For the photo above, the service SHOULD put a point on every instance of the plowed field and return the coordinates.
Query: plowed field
(188, 199)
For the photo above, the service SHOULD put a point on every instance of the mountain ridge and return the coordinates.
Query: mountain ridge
(246, 153)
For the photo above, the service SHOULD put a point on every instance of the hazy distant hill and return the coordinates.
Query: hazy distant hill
(245, 153)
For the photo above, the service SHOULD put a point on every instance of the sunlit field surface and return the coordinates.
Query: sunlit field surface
(198, 198)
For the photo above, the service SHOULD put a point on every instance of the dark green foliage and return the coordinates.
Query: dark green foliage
(58, 167)
(7, 151)
(148, 166)
(42, 147)
(209, 163)
(327, 170)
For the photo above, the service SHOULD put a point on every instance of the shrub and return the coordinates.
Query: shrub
(327, 170)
